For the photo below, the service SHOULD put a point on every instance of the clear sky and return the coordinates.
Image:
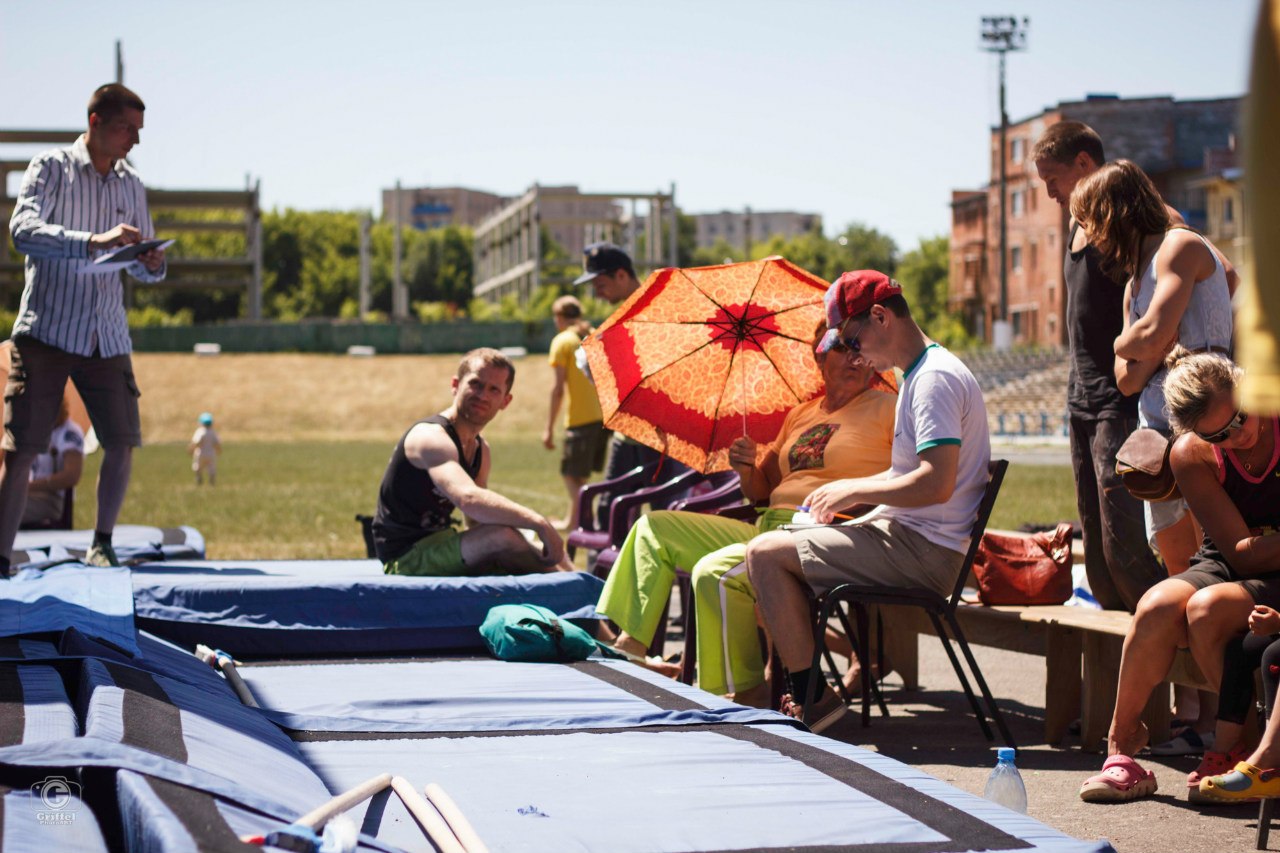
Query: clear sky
(861, 110)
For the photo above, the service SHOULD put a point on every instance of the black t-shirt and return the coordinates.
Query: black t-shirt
(1095, 315)
(410, 507)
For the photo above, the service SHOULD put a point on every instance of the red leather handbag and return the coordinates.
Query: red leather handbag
(1034, 569)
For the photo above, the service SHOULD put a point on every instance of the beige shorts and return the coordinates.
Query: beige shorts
(880, 552)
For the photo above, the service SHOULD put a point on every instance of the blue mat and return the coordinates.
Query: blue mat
(52, 817)
(186, 725)
(98, 602)
(131, 542)
(484, 695)
(272, 608)
(34, 707)
(676, 790)
(163, 817)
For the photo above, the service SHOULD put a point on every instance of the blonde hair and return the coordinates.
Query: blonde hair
(1194, 379)
(1118, 206)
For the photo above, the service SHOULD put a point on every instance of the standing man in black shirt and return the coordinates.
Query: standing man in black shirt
(442, 463)
(1118, 560)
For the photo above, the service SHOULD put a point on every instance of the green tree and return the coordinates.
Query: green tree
(923, 275)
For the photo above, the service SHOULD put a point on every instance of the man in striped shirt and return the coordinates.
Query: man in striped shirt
(74, 203)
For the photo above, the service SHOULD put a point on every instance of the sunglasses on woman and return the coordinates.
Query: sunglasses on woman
(1221, 435)
(848, 343)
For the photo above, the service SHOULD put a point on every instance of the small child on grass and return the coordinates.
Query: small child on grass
(204, 449)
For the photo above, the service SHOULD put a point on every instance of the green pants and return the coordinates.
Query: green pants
(713, 548)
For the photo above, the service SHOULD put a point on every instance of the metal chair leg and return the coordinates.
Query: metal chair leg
(1264, 824)
(964, 679)
(982, 682)
(870, 681)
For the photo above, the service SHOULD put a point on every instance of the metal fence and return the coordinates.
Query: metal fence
(388, 338)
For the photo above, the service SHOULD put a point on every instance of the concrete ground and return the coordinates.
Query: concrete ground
(933, 728)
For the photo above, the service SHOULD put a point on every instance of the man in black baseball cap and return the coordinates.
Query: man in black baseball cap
(609, 269)
(613, 279)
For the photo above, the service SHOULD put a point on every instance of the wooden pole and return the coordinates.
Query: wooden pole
(433, 825)
(456, 819)
(321, 815)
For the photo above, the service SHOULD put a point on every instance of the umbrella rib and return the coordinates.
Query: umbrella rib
(780, 373)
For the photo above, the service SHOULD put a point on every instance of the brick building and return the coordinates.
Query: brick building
(1173, 141)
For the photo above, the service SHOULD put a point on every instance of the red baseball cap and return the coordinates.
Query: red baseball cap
(851, 294)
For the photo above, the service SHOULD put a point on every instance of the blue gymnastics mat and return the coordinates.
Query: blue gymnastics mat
(131, 542)
(270, 608)
(664, 790)
(483, 695)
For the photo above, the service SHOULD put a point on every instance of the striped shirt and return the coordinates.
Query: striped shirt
(63, 202)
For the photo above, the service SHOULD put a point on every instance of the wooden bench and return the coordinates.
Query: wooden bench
(1081, 647)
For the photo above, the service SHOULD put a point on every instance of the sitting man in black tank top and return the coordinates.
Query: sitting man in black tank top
(441, 464)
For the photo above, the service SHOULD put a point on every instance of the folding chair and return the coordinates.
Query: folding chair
(939, 609)
(625, 510)
(366, 528)
(589, 534)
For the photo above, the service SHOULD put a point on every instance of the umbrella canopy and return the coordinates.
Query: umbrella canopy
(697, 356)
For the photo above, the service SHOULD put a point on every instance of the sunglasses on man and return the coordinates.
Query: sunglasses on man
(1223, 434)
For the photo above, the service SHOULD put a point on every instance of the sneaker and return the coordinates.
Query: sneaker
(103, 556)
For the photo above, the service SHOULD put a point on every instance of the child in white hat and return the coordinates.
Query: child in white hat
(204, 449)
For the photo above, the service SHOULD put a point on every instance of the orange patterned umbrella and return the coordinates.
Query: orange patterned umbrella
(698, 356)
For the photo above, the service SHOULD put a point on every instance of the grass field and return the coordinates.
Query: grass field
(306, 439)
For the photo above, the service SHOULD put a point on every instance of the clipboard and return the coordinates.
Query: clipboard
(129, 253)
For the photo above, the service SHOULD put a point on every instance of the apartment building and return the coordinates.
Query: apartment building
(1175, 142)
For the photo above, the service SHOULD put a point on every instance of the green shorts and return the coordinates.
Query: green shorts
(584, 449)
(438, 554)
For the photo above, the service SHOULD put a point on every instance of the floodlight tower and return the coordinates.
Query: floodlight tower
(1000, 35)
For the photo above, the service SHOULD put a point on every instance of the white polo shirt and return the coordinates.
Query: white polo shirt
(940, 402)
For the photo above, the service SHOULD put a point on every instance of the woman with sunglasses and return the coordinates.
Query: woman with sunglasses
(1228, 466)
(847, 432)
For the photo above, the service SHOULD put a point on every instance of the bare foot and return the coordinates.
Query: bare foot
(1129, 742)
(628, 644)
(852, 678)
(753, 697)
(662, 667)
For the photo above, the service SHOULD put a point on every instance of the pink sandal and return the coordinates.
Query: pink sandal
(1122, 779)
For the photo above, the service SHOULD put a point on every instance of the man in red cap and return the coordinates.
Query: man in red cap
(927, 500)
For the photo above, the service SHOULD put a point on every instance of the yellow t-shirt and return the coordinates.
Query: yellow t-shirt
(816, 447)
(582, 407)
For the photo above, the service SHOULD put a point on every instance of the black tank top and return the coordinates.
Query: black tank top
(1095, 315)
(1256, 497)
(410, 507)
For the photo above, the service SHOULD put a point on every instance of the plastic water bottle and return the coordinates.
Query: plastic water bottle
(1004, 785)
